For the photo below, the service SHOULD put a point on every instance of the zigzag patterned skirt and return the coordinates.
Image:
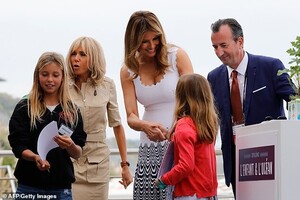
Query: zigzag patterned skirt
(148, 164)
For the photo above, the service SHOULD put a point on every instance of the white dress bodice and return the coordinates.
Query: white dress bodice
(159, 99)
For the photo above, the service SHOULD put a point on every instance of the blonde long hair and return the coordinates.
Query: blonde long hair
(139, 23)
(36, 104)
(195, 99)
(94, 51)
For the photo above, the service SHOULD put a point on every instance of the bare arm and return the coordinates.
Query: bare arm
(121, 142)
(130, 101)
(154, 131)
(184, 64)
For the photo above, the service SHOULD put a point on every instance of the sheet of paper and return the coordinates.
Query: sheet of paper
(45, 140)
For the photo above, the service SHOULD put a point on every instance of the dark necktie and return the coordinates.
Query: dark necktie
(236, 103)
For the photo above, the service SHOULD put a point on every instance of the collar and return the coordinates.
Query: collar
(241, 69)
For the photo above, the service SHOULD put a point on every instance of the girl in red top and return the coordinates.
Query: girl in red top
(194, 173)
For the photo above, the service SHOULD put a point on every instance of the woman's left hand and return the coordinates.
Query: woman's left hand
(126, 177)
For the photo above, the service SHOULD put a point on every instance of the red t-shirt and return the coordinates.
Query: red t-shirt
(194, 170)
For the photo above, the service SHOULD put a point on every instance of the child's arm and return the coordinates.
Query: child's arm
(65, 142)
(184, 139)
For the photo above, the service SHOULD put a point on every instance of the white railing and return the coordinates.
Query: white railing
(115, 191)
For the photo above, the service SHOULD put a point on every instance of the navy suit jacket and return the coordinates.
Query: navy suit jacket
(264, 95)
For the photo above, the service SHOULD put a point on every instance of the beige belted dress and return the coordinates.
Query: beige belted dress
(98, 106)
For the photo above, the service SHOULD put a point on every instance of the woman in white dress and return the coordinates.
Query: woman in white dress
(149, 76)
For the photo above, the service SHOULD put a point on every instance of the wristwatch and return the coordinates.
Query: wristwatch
(124, 163)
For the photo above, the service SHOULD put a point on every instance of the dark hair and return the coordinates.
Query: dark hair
(236, 28)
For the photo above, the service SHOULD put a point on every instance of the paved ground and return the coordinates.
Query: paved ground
(224, 192)
(117, 191)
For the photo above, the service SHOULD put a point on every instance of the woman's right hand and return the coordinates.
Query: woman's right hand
(155, 132)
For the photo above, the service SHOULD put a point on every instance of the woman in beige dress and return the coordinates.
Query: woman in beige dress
(95, 94)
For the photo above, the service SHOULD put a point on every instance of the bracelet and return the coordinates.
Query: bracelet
(161, 185)
(124, 163)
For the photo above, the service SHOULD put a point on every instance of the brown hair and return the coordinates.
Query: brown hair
(194, 98)
(139, 23)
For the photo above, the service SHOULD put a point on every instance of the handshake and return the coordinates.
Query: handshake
(157, 132)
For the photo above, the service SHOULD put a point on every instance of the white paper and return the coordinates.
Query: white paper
(45, 141)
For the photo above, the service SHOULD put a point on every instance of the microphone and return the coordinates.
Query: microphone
(281, 117)
(268, 118)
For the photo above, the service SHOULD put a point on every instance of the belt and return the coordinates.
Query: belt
(202, 198)
(209, 198)
(95, 137)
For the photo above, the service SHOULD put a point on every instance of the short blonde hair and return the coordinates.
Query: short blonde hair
(94, 51)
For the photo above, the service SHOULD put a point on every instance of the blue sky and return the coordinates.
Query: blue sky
(28, 28)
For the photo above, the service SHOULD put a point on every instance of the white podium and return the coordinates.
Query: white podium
(268, 161)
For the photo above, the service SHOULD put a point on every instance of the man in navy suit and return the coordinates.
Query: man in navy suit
(262, 91)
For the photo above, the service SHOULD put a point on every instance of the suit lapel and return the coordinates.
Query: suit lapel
(225, 91)
(250, 80)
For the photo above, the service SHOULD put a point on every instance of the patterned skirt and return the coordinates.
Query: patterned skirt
(149, 159)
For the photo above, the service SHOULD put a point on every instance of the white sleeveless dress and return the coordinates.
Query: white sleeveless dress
(159, 103)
